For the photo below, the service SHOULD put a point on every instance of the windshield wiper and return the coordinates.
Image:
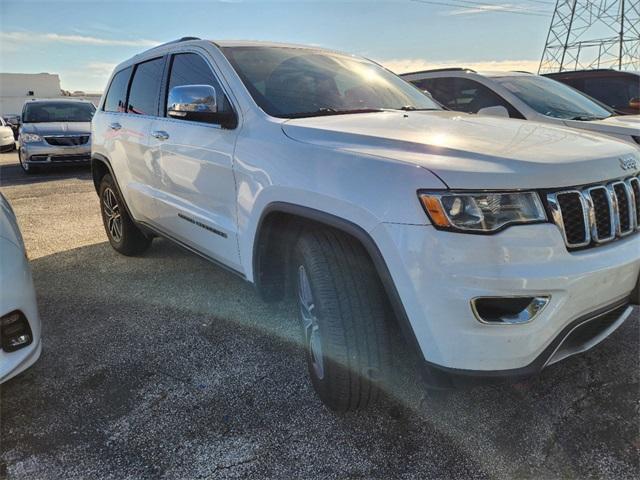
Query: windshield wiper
(332, 111)
(586, 118)
(411, 108)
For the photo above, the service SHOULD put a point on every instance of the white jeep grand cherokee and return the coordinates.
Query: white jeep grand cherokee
(497, 246)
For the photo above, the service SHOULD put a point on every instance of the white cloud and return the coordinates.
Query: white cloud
(404, 65)
(100, 69)
(22, 38)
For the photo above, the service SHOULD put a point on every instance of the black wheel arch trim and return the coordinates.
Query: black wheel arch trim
(359, 234)
(96, 157)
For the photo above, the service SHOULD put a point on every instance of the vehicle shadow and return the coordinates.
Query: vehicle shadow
(11, 173)
(164, 365)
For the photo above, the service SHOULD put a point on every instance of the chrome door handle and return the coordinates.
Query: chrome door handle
(115, 126)
(160, 134)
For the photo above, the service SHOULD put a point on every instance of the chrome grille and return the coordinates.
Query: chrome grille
(598, 214)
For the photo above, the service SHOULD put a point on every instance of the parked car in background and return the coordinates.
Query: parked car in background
(618, 89)
(496, 247)
(524, 96)
(19, 321)
(55, 132)
(13, 121)
(7, 141)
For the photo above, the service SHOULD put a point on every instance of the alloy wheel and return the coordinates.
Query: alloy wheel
(111, 210)
(310, 324)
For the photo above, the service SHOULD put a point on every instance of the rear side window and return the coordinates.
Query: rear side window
(144, 94)
(465, 95)
(117, 93)
(614, 91)
(191, 69)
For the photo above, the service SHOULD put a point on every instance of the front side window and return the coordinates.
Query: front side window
(290, 82)
(117, 93)
(465, 95)
(57, 111)
(144, 94)
(192, 69)
(553, 99)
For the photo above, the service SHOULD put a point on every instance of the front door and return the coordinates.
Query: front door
(196, 191)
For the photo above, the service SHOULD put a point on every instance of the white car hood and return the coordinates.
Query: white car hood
(625, 125)
(468, 151)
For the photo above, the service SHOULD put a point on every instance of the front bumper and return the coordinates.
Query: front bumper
(44, 154)
(438, 273)
(18, 293)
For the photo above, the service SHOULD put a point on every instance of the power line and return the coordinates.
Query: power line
(484, 6)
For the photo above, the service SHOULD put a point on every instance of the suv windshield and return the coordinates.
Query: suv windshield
(553, 99)
(39, 112)
(289, 82)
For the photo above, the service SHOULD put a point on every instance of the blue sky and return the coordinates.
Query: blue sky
(82, 41)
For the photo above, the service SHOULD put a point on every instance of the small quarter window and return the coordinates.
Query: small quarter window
(117, 93)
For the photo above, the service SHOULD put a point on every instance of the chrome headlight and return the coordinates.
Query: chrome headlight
(30, 138)
(485, 212)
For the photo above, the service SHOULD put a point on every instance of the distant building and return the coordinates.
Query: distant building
(17, 88)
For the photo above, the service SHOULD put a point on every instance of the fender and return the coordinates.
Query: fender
(98, 158)
(368, 243)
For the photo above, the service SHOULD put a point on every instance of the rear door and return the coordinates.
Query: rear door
(131, 104)
(194, 176)
(142, 107)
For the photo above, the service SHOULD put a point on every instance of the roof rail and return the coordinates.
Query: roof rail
(447, 69)
(181, 39)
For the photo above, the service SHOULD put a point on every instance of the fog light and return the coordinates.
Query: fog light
(508, 310)
(19, 341)
(15, 332)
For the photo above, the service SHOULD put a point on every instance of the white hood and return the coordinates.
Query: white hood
(468, 151)
(622, 125)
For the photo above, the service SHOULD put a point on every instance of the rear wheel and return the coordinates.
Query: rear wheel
(124, 236)
(343, 309)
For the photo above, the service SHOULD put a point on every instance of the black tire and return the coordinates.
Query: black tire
(351, 312)
(124, 236)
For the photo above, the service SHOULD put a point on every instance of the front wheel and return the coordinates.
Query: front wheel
(26, 168)
(124, 236)
(343, 311)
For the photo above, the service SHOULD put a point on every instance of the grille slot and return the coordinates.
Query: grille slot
(570, 213)
(634, 188)
(596, 215)
(67, 141)
(625, 215)
(603, 227)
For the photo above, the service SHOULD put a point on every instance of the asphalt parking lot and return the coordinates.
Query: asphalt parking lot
(165, 366)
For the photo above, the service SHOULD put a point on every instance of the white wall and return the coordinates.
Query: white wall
(15, 88)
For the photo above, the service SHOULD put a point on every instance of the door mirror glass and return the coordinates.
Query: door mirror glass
(193, 102)
(497, 111)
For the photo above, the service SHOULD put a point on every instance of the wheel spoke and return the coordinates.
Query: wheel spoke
(112, 214)
(313, 339)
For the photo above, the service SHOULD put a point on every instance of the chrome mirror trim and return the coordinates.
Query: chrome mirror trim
(195, 99)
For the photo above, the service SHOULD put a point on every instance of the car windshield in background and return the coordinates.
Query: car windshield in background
(40, 112)
(553, 99)
(295, 82)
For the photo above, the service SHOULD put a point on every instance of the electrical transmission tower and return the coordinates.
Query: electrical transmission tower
(588, 34)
